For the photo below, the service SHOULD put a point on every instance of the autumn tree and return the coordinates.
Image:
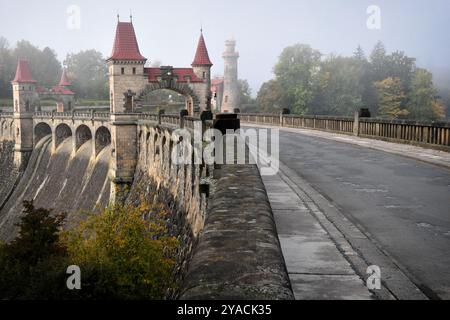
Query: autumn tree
(390, 98)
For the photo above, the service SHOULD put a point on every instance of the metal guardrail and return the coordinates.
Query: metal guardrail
(405, 131)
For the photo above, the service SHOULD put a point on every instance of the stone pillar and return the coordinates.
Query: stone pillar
(23, 126)
(124, 155)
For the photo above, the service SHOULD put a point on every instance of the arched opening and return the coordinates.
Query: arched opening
(41, 130)
(172, 100)
(62, 132)
(82, 135)
(102, 139)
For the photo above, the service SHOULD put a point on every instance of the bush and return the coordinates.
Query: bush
(120, 254)
(123, 255)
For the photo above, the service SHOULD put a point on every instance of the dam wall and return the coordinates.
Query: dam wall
(229, 247)
(61, 181)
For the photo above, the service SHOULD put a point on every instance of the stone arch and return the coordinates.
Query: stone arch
(102, 139)
(192, 100)
(41, 130)
(62, 132)
(82, 135)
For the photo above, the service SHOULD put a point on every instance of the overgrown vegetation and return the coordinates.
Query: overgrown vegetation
(390, 85)
(121, 255)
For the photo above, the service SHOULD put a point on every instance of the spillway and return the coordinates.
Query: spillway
(61, 181)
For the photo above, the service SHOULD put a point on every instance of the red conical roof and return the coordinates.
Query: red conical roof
(23, 72)
(202, 56)
(64, 82)
(125, 44)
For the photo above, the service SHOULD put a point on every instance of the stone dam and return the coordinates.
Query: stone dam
(220, 213)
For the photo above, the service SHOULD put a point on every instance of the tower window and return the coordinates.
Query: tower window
(134, 70)
(204, 75)
(122, 70)
(226, 98)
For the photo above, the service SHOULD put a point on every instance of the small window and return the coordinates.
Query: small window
(226, 98)
(134, 70)
(204, 75)
(122, 71)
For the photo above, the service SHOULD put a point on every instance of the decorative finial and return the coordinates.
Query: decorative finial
(131, 17)
(118, 18)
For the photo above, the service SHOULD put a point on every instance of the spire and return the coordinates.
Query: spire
(125, 44)
(64, 82)
(23, 72)
(201, 56)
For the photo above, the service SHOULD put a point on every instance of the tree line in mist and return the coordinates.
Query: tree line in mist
(390, 85)
(87, 70)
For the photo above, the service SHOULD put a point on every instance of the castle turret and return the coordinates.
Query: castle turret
(25, 97)
(65, 94)
(126, 69)
(64, 82)
(231, 88)
(126, 80)
(202, 69)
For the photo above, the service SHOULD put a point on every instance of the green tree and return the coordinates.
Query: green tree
(296, 72)
(339, 90)
(423, 104)
(33, 265)
(245, 93)
(269, 97)
(390, 98)
(89, 74)
(6, 69)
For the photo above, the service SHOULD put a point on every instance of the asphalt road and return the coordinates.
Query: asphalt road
(402, 203)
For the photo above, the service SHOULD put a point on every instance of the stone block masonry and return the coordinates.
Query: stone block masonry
(238, 256)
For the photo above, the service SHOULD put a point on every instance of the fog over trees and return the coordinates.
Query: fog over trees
(305, 80)
(389, 84)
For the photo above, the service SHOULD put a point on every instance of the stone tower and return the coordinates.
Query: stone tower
(25, 98)
(126, 69)
(231, 88)
(126, 79)
(202, 69)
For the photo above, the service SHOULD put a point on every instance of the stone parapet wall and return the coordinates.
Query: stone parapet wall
(238, 255)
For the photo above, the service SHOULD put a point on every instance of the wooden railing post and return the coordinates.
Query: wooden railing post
(356, 124)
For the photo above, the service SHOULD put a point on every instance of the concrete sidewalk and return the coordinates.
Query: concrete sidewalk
(317, 270)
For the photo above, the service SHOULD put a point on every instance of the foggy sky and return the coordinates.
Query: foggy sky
(168, 30)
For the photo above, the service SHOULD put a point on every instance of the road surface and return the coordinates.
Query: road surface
(401, 203)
